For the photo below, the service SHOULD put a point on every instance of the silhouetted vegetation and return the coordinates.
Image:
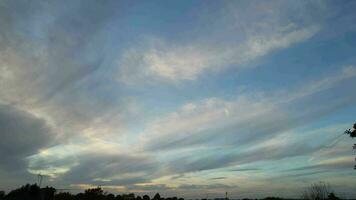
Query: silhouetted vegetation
(64, 196)
(30, 192)
(34, 192)
(2, 195)
(352, 135)
(272, 198)
(332, 196)
(319, 191)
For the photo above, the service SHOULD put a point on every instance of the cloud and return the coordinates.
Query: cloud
(245, 169)
(213, 122)
(222, 159)
(41, 41)
(248, 129)
(188, 62)
(98, 168)
(208, 187)
(148, 187)
(52, 57)
(241, 38)
(329, 165)
(285, 145)
(218, 178)
(22, 135)
(196, 122)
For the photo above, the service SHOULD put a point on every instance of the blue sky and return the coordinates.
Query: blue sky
(188, 98)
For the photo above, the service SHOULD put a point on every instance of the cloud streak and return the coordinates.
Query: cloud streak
(156, 59)
(176, 63)
(252, 119)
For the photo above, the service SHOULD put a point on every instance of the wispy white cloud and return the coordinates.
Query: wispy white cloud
(244, 34)
(247, 116)
(163, 61)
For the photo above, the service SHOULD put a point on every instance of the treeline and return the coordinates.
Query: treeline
(34, 192)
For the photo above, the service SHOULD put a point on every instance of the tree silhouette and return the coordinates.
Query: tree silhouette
(2, 195)
(64, 196)
(26, 192)
(317, 191)
(353, 132)
(94, 194)
(110, 197)
(130, 196)
(272, 198)
(332, 196)
(157, 197)
(34, 192)
(352, 135)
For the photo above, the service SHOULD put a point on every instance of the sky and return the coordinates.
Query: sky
(187, 98)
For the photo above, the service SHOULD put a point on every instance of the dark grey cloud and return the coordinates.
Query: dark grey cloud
(151, 187)
(332, 166)
(210, 186)
(245, 169)
(303, 175)
(311, 172)
(218, 178)
(21, 135)
(179, 176)
(103, 169)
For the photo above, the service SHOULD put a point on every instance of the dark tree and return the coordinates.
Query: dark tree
(79, 196)
(157, 197)
(26, 192)
(2, 195)
(130, 196)
(110, 197)
(352, 135)
(317, 191)
(34, 192)
(47, 193)
(272, 198)
(332, 196)
(94, 194)
(64, 196)
(353, 132)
